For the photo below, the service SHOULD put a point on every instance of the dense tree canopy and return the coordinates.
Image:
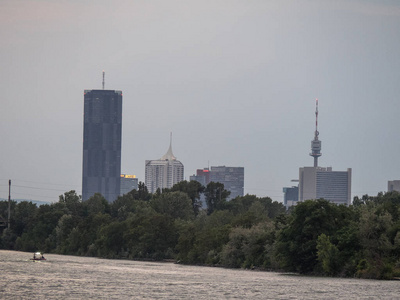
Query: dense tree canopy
(315, 237)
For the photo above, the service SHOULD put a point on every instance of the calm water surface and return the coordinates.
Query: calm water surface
(71, 277)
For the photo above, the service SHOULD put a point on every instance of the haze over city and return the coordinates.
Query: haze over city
(234, 81)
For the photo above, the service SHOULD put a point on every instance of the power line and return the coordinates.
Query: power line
(37, 188)
(42, 183)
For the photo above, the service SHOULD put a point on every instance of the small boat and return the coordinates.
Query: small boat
(38, 256)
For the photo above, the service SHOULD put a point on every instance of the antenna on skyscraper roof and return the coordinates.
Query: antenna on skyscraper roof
(103, 79)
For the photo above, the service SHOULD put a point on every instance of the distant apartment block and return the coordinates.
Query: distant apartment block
(163, 172)
(394, 185)
(231, 177)
(318, 182)
(128, 183)
(102, 130)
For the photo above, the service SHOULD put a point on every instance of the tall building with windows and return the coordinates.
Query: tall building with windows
(231, 177)
(102, 132)
(318, 182)
(202, 176)
(163, 172)
(128, 183)
(291, 196)
(394, 185)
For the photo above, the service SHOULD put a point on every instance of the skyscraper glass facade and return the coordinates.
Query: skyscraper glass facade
(231, 177)
(102, 133)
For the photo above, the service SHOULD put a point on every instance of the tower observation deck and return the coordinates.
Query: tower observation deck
(316, 143)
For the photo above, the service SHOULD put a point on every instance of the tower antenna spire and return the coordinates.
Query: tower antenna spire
(316, 117)
(103, 79)
(316, 143)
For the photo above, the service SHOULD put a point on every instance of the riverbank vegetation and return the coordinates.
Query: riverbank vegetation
(314, 237)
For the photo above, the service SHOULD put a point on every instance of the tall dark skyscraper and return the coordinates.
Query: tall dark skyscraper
(102, 131)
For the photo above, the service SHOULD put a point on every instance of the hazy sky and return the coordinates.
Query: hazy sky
(234, 81)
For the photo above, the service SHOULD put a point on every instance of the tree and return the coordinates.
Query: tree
(251, 210)
(97, 204)
(328, 255)
(193, 189)
(123, 206)
(374, 226)
(209, 235)
(141, 193)
(24, 217)
(111, 239)
(63, 229)
(248, 247)
(150, 234)
(216, 196)
(296, 245)
(174, 204)
(82, 239)
(72, 201)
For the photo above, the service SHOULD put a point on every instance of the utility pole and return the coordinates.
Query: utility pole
(9, 203)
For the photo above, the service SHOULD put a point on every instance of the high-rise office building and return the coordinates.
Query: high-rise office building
(394, 185)
(202, 176)
(231, 177)
(128, 183)
(163, 172)
(102, 132)
(317, 182)
(291, 196)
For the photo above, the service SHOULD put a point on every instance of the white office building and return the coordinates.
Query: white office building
(318, 182)
(163, 172)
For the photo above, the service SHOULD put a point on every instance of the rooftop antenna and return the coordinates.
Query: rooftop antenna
(103, 79)
(316, 143)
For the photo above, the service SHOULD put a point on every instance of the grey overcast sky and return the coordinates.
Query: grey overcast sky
(234, 81)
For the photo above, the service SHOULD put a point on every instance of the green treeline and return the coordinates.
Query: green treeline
(314, 237)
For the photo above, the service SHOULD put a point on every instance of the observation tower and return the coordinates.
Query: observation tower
(316, 143)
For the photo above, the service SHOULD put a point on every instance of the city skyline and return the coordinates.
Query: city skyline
(235, 82)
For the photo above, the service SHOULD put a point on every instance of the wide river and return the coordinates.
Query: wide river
(72, 277)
